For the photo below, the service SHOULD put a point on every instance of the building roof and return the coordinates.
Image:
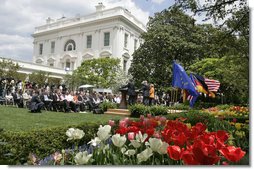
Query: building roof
(98, 16)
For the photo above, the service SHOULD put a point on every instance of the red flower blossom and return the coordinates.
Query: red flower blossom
(178, 138)
(234, 120)
(222, 135)
(122, 130)
(188, 158)
(205, 154)
(131, 136)
(111, 123)
(174, 152)
(149, 115)
(232, 153)
(225, 163)
(133, 129)
(149, 132)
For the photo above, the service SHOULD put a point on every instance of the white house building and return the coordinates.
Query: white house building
(64, 43)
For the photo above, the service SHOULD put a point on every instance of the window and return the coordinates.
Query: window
(41, 49)
(52, 46)
(124, 66)
(70, 45)
(106, 38)
(89, 41)
(68, 64)
(51, 64)
(126, 40)
(135, 44)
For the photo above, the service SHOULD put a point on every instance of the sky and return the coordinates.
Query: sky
(19, 18)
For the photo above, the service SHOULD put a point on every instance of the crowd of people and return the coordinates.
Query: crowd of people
(51, 98)
(60, 99)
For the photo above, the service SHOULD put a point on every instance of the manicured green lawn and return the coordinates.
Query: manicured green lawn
(16, 119)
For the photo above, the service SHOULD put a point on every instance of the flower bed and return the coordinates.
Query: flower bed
(148, 141)
(230, 112)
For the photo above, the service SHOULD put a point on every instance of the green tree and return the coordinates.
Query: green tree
(99, 72)
(232, 76)
(171, 35)
(216, 9)
(8, 68)
(39, 77)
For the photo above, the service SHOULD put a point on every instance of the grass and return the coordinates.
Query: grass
(19, 119)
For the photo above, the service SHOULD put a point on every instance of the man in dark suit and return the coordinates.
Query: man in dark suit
(145, 89)
(36, 103)
(131, 92)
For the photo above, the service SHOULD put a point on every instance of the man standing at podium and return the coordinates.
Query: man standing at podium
(131, 92)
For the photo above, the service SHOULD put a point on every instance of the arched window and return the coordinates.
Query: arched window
(70, 45)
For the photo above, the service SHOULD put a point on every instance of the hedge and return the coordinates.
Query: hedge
(140, 109)
(16, 146)
(107, 105)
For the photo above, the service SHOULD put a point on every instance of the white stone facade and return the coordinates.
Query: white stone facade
(65, 43)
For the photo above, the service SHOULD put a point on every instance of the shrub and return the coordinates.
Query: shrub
(16, 146)
(158, 110)
(138, 109)
(107, 105)
(180, 106)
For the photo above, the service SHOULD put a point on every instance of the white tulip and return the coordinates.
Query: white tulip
(123, 150)
(141, 138)
(82, 158)
(104, 132)
(118, 140)
(74, 134)
(135, 143)
(158, 146)
(163, 148)
(155, 144)
(96, 141)
(130, 152)
(145, 155)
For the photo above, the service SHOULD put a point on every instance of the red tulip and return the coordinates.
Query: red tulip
(131, 136)
(188, 158)
(225, 163)
(111, 123)
(234, 120)
(178, 138)
(133, 129)
(150, 132)
(174, 152)
(122, 123)
(142, 117)
(205, 154)
(149, 115)
(232, 153)
(157, 118)
(163, 120)
(157, 135)
(121, 131)
(222, 135)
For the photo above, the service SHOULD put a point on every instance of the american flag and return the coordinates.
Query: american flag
(213, 85)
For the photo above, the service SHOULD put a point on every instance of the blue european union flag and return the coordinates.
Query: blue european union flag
(183, 81)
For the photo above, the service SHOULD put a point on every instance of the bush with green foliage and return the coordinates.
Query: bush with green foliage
(107, 105)
(157, 110)
(16, 146)
(138, 109)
